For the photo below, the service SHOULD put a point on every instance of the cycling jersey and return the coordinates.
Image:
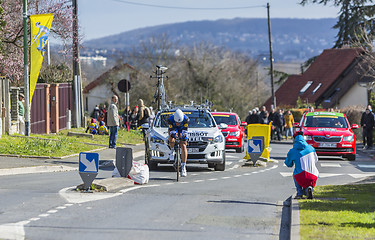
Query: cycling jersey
(182, 128)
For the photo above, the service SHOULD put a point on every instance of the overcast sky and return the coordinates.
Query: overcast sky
(99, 18)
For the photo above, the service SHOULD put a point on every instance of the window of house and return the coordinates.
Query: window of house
(308, 84)
(317, 87)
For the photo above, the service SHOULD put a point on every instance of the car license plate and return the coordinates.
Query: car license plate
(193, 150)
(329, 145)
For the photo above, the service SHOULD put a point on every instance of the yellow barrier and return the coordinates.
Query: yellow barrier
(259, 130)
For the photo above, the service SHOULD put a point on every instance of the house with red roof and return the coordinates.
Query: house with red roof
(331, 81)
(101, 89)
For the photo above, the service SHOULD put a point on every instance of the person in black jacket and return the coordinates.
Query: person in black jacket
(278, 122)
(367, 123)
(252, 117)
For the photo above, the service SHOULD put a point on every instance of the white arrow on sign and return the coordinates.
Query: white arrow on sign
(90, 166)
(256, 148)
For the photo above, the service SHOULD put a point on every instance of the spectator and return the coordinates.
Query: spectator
(92, 127)
(305, 174)
(21, 114)
(102, 130)
(289, 120)
(96, 112)
(262, 115)
(134, 118)
(254, 118)
(113, 122)
(264, 119)
(278, 121)
(367, 123)
(143, 113)
(104, 112)
(271, 115)
(126, 116)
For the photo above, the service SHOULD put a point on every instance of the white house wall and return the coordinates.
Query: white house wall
(357, 95)
(98, 95)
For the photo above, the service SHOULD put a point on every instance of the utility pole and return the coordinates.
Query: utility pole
(273, 99)
(26, 70)
(76, 88)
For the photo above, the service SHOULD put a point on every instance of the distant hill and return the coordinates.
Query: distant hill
(293, 39)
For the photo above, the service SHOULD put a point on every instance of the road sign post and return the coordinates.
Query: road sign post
(255, 148)
(88, 168)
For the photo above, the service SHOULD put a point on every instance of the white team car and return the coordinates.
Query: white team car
(206, 144)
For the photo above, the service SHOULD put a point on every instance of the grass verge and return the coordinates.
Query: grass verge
(339, 212)
(58, 145)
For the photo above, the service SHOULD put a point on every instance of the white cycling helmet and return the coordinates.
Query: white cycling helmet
(178, 116)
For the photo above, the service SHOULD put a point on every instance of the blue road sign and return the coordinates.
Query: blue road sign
(255, 146)
(88, 162)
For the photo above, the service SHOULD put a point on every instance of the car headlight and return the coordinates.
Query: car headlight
(155, 139)
(218, 139)
(236, 133)
(349, 138)
(307, 137)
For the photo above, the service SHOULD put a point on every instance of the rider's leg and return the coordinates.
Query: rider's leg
(171, 141)
(183, 145)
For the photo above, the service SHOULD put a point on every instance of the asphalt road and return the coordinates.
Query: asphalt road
(243, 202)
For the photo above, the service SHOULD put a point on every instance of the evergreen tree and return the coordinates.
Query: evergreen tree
(354, 17)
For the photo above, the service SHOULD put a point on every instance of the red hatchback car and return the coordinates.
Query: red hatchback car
(234, 134)
(329, 133)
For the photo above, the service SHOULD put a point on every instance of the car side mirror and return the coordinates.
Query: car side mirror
(243, 124)
(223, 126)
(355, 126)
(296, 124)
(145, 126)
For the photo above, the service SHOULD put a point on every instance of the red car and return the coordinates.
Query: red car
(329, 133)
(234, 134)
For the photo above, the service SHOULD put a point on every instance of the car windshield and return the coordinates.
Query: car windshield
(325, 122)
(227, 119)
(198, 119)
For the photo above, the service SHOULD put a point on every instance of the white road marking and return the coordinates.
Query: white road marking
(52, 211)
(365, 166)
(61, 207)
(228, 163)
(236, 176)
(212, 179)
(362, 175)
(286, 174)
(43, 215)
(197, 181)
(330, 165)
(247, 174)
(324, 175)
(226, 177)
(13, 230)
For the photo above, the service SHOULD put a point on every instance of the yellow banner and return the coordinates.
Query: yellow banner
(40, 29)
(259, 130)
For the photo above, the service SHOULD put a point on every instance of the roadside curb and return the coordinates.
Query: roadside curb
(294, 219)
(48, 157)
(37, 169)
(51, 167)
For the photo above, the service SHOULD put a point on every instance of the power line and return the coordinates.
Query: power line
(188, 8)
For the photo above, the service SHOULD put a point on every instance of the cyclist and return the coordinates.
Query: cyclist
(178, 124)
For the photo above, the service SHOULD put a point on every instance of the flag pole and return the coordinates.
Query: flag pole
(26, 70)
